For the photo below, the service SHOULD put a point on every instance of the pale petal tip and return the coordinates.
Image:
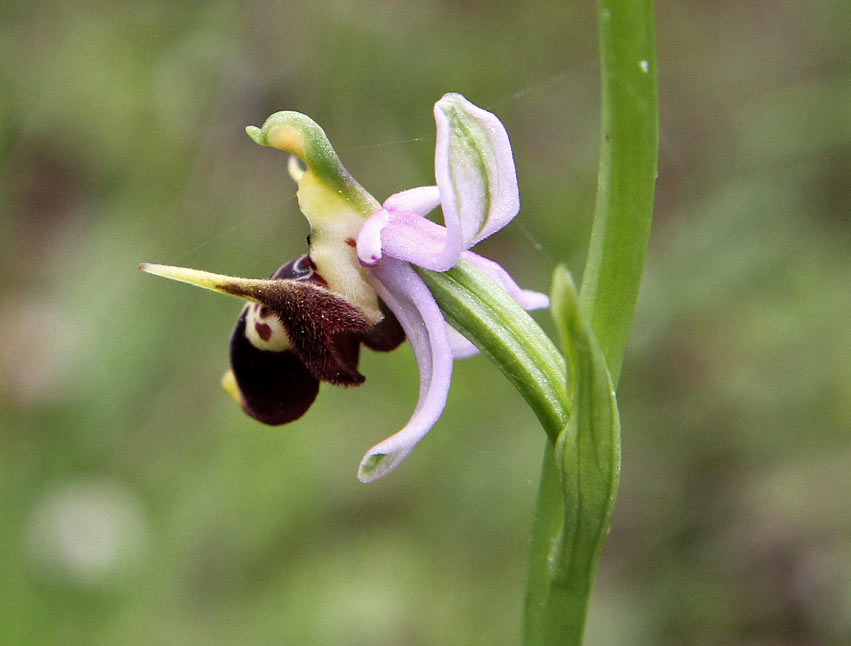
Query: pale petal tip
(530, 300)
(156, 269)
(376, 465)
(369, 238)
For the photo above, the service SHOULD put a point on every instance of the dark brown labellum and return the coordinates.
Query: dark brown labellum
(325, 333)
(276, 387)
(316, 320)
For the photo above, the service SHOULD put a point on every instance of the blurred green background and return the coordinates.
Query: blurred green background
(139, 506)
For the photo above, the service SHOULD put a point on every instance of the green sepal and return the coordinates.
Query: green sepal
(582, 468)
(483, 312)
(300, 135)
(335, 205)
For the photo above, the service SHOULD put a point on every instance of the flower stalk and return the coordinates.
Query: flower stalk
(626, 176)
(580, 470)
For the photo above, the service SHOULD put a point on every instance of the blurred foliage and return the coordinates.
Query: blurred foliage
(139, 506)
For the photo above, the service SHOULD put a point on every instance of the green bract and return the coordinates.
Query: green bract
(581, 472)
(503, 330)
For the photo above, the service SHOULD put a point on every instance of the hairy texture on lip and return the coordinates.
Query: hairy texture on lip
(277, 379)
(316, 321)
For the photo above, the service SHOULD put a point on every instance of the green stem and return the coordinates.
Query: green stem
(627, 174)
(573, 513)
(578, 484)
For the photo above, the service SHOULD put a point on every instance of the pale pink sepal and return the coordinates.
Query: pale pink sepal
(476, 190)
(474, 170)
(526, 298)
(462, 347)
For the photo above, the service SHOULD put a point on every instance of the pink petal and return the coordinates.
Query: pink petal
(403, 236)
(416, 201)
(407, 296)
(369, 238)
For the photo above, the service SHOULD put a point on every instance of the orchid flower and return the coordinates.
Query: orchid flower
(359, 283)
